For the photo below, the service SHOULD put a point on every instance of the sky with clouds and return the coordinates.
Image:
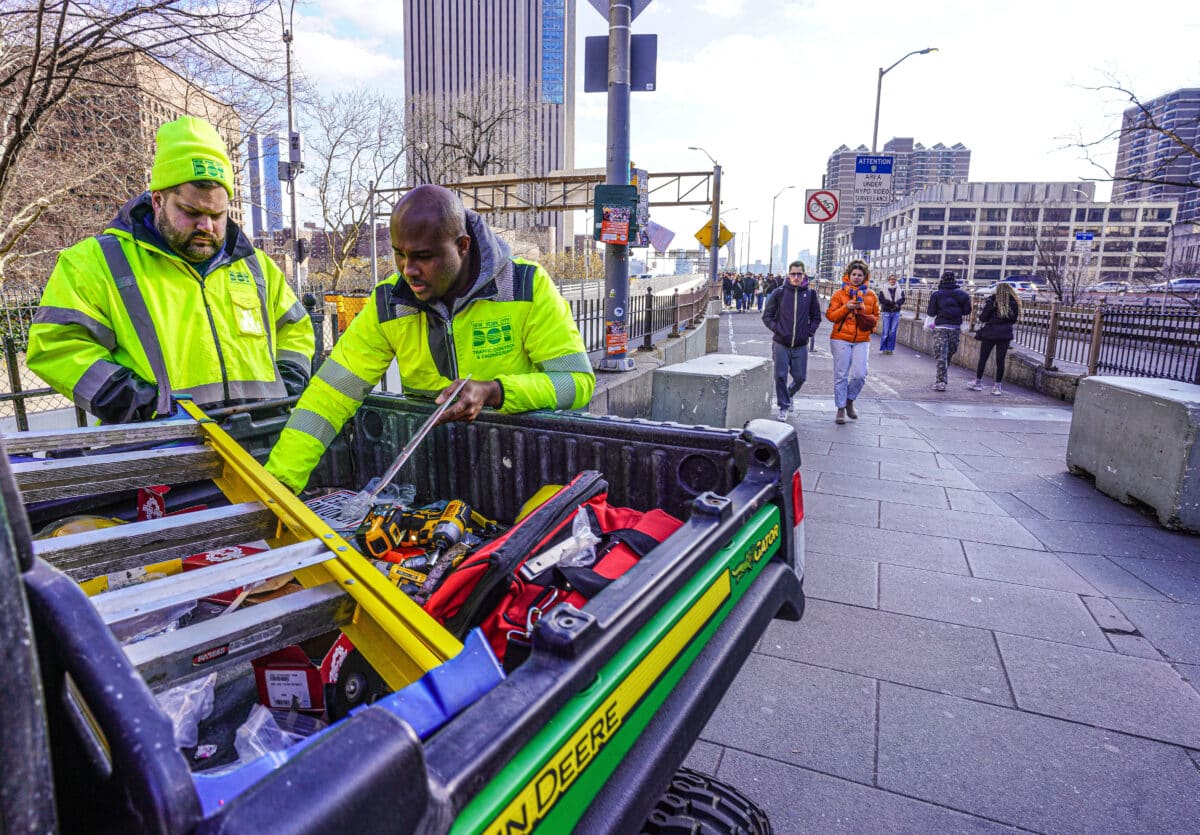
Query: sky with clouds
(770, 88)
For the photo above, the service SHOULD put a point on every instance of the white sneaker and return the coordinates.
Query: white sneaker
(996, 389)
(782, 415)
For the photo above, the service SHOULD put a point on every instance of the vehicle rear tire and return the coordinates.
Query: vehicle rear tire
(698, 804)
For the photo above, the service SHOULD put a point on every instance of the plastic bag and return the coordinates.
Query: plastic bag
(580, 549)
(266, 731)
(187, 705)
(930, 321)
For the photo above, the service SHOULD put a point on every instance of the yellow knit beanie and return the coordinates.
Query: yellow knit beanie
(187, 150)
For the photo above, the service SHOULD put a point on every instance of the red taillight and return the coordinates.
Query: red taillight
(797, 499)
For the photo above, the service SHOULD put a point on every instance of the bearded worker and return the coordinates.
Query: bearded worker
(172, 299)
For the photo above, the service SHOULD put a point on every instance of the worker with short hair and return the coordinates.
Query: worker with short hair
(173, 299)
(458, 304)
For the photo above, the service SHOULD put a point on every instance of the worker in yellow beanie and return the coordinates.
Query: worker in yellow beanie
(171, 299)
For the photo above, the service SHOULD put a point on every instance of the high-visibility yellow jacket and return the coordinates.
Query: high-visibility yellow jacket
(512, 326)
(125, 323)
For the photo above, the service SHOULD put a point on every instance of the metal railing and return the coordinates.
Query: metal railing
(1132, 340)
(23, 393)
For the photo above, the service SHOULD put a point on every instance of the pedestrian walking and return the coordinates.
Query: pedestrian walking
(792, 314)
(764, 286)
(727, 290)
(891, 301)
(948, 306)
(854, 312)
(749, 286)
(996, 320)
(739, 293)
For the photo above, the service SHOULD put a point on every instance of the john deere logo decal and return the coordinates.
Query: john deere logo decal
(208, 169)
(491, 338)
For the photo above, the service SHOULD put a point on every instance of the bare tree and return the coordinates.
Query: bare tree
(488, 129)
(357, 138)
(63, 62)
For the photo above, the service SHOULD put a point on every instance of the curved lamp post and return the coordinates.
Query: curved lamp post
(879, 88)
(771, 255)
(714, 244)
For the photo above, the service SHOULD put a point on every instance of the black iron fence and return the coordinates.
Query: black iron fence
(1131, 340)
(23, 393)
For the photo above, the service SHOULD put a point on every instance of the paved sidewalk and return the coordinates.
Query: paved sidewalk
(989, 644)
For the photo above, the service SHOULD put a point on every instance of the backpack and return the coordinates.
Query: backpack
(495, 590)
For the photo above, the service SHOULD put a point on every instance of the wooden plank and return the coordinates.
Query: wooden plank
(184, 654)
(144, 598)
(83, 556)
(26, 443)
(69, 477)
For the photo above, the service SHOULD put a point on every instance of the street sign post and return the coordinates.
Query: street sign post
(873, 179)
(821, 205)
(1083, 241)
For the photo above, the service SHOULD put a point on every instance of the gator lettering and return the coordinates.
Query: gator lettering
(741, 569)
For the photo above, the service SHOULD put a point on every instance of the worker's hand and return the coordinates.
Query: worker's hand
(474, 396)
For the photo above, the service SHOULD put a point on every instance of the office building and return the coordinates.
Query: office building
(914, 167)
(457, 46)
(987, 231)
(266, 189)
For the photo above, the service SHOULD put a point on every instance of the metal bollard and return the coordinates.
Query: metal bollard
(648, 333)
(1094, 347)
(1051, 336)
(674, 334)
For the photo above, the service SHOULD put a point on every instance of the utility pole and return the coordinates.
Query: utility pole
(616, 256)
(295, 163)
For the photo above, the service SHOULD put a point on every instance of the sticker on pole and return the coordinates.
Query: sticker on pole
(821, 205)
(616, 338)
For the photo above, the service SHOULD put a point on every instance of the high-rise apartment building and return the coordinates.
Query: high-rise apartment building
(1147, 152)
(914, 167)
(266, 189)
(458, 46)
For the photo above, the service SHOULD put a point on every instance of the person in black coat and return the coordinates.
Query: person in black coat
(792, 314)
(891, 302)
(996, 320)
(948, 306)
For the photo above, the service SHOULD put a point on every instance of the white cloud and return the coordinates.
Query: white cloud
(333, 63)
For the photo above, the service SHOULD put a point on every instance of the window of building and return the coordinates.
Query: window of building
(1089, 215)
(1022, 244)
(962, 215)
(1150, 213)
(1027, 214)
(1122, 215)
(957, 258)
(959, 231)
(1151, 260)
(1056, 215)
(1118, 246)
(990, 246)
(927, 272)
(960, 245)
(993, 215)
(987, 275)
(989, 260)
(932, 213)
(928, 258)
(930, 229)
(1154, 231)
(1119, 231)
(1152, 246)
(929, 243)
(1114, 261)
(1019, 261)
(996, 231)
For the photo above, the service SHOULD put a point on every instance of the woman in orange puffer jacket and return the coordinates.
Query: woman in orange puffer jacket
(854, 311)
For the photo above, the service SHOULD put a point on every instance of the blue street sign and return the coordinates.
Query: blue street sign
(873, 164)
(1085, 236)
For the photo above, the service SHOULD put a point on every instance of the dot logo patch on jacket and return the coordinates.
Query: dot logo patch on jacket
(208, 168)
(491, 338)
(240, 277)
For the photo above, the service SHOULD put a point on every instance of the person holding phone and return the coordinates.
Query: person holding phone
(854, 312)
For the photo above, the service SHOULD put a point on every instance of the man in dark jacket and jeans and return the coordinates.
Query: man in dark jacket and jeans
(792, 314)
(949, 306)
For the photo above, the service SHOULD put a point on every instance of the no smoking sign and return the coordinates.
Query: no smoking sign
(821, 205)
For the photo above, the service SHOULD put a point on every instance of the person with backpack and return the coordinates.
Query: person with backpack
(792, 314)
(854, 311)
(948, 306)
(891, 301)
(1000, 312)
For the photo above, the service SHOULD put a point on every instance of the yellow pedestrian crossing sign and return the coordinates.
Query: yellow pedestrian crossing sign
(704, 235)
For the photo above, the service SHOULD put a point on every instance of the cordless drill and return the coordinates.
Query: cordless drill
(449, 528)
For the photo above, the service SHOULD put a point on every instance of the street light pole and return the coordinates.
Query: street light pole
(749, 229)
(879, 89)
(771, 255)
(715, 242)
(292, 172)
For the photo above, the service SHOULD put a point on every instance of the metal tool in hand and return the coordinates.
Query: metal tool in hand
(357, 505)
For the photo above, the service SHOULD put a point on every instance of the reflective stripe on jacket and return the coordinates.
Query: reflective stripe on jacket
(514, 328)
(118, 302)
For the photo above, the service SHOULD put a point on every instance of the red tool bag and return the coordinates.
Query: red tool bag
(500, 588)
